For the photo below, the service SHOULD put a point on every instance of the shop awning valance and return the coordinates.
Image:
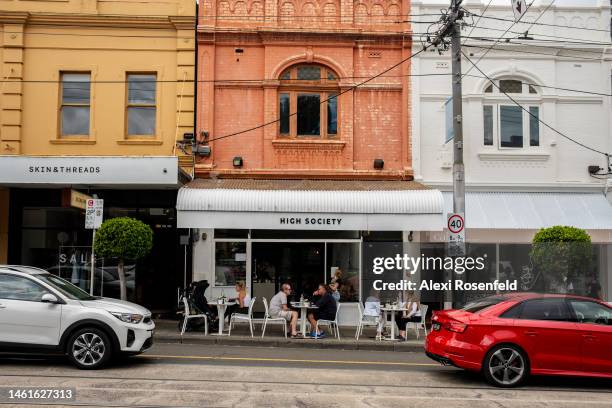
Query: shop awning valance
(310, 204)
(534, 210)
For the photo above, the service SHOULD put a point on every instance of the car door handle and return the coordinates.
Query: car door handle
(531, 333)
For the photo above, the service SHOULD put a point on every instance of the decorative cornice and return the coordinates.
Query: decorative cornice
(100, 20)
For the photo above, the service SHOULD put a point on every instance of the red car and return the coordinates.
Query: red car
(509, 337)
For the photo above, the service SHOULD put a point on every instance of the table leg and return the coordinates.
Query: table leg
(303, 321)
(221, 319)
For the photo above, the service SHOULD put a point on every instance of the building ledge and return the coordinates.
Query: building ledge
(149, 142)
(309, 144)
(531, 157)
(73, 141)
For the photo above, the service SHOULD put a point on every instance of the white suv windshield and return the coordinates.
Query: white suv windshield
(65, 287)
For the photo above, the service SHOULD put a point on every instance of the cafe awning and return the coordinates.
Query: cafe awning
(310, 204)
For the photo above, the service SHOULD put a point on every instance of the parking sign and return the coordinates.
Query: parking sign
(94, 211)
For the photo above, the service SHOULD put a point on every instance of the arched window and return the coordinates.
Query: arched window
(507, 125)
(308, 102)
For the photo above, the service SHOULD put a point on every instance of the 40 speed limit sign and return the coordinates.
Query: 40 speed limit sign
(455, 224)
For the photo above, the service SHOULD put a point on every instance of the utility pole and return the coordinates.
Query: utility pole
(458, 166)
(452, 29)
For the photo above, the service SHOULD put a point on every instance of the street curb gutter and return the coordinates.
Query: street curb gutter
(407, 346)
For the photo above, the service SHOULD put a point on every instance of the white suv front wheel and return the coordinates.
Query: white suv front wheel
(89, 348)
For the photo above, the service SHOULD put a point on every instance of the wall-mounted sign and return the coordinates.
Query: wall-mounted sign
(78, 199)
(91, 171)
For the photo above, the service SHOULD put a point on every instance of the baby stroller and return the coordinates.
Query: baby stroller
(198, 304)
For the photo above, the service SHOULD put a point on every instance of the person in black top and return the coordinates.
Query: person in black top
(326, 309)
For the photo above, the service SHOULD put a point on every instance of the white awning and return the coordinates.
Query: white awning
(505, 210)
(316, 205)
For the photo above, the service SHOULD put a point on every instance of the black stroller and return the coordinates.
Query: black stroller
(198, 304)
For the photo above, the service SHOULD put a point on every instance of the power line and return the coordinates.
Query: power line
(531, 114)
(500, 37)
(579, 58)
(479, 18)
(327, 99)
(294, 81)
(579, 40)
(548, 24)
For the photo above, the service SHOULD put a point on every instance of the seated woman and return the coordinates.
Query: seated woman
(412, 314)
(372, 312)
(243, 300)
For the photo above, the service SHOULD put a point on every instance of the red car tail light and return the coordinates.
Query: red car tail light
(455, 326)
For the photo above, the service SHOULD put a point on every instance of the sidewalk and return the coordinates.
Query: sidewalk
(166, 331)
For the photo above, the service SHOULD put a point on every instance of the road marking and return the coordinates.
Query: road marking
(285, 360)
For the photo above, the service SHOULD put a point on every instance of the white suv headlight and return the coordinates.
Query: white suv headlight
(128, 317)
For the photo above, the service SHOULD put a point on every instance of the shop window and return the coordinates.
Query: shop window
(230, 263)
(311, 90)
(508, 125)
(141, 104)
(75, 104)
(343, 267)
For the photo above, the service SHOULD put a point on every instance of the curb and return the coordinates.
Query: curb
(408, 346)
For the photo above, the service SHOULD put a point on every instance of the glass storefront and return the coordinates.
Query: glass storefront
(48, 234)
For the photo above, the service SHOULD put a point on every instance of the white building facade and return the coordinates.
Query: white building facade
(520, 174)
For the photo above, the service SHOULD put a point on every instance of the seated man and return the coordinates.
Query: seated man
(326, 309)
(279, 308)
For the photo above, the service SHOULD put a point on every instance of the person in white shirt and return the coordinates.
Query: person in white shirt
(371, 310)
(279, 308)
(411, 314)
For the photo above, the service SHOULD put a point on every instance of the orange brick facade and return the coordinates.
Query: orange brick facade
(245, 46)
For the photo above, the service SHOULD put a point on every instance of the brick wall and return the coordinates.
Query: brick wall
(245, 47)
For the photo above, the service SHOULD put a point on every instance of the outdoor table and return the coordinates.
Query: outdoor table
(221, 314)
(303, 312)
(393, 310)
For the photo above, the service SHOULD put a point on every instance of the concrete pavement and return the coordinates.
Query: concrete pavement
(195, 375)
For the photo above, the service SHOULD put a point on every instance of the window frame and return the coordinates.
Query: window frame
(324, 88)
(524, 303)
(129, 105)
(573, 311)
(60, 134)
(492, 96)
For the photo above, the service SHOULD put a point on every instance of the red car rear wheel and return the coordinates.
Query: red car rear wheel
(506, 366)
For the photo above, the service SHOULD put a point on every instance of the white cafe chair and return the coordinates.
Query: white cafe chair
(421, 324)
(269, 319)
(241, 317)
(333, 324)
(365, 322)
(188, 316)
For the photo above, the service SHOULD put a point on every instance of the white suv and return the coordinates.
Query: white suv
(40, 311)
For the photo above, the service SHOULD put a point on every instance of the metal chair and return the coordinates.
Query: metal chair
(187, 316)
(363, 323)
(243, 317)
(421, 324)
(333, 324)
(267, 318)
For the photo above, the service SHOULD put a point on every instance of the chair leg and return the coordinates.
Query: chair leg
(285, 328)
(357, 332)
(250, 326)
(184, 326)
(338, 331)
(205, 326)
(263, 329)
(229, 333)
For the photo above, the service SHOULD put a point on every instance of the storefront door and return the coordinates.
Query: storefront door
(302, 264)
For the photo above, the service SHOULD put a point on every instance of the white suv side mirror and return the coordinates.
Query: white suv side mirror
(49, 298)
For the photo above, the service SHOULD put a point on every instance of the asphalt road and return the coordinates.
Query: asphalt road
(187, 375)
